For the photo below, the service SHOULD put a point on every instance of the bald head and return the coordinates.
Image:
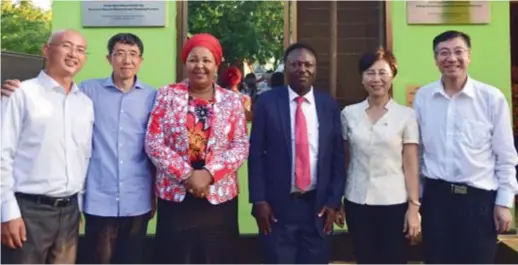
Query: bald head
(59, 34)
(65, 52)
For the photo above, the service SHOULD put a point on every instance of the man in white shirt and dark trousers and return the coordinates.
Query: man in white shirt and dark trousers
(46, 144)
(468, 159)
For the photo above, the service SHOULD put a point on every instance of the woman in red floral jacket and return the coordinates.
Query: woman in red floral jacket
(197, 139)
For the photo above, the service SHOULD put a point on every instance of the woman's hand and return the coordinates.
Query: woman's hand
(412, 226)
(198, 183)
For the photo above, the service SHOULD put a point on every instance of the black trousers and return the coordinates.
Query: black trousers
(116, 240)
(196, 231)
(298, 237)
(458, 224)
(52, 231)
(377, 232)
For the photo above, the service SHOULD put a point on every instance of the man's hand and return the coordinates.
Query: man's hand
(412, 225)
(340, 217)
(263, 216)
(9, 86)
(13, 233)
(503, 218)
(330, 216)
(198, 183)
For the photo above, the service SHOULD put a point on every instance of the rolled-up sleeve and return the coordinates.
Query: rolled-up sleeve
(506, 157)
(12, 116)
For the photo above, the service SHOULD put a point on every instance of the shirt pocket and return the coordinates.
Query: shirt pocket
(82, 136)
(475, 134)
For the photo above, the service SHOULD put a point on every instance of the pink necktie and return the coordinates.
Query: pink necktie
(302, 167)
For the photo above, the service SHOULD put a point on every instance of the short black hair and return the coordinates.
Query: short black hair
(450, 35)
(250, 75)
(370, 58)
(299, 46)
(277, 79)
(125, 38)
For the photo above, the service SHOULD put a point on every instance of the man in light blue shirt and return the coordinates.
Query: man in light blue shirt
(118, 199)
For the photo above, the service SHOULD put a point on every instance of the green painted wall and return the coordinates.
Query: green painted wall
(159, 66)
(412, 45)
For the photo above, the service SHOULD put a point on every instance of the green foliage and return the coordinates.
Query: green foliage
(251, 30)
(25, 27)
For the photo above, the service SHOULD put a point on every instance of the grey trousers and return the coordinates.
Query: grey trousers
(52, 234)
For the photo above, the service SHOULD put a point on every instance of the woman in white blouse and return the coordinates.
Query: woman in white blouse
(382, 193)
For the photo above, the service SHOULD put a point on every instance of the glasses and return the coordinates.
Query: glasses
(124, 55)
(69, 47)
(447, 53)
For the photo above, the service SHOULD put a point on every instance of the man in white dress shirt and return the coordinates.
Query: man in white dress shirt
(468, 159)
(46, 144)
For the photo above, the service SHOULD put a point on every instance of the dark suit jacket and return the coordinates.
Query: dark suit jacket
(270, 157)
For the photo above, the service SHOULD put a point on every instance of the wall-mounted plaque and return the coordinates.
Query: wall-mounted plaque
(448, 12)
(124, 13)
(410, 94)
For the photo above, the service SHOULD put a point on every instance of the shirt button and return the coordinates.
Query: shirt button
(120, 128)
(122, 111)
(121, 161)
(117, 198)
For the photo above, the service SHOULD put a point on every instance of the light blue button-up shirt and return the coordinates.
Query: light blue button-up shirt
(119, 176)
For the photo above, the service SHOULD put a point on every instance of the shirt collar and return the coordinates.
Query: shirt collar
(108, 82)
(310, 97)
(51, 84)
(365, 104)
(468, 89)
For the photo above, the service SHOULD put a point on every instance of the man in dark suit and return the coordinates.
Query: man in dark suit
(296, 165)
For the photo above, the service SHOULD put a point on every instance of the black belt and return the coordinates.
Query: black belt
(303, 195)
(456, 188)
(51, 201)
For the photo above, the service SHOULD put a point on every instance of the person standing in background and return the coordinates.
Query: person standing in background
(251, 86)
(119, 199)
(277, 80)
(468, 159)
(296, 165)
(382, 201)
(232, 78)
(46, 146)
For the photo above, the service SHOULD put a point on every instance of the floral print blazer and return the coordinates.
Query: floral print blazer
(167, 143)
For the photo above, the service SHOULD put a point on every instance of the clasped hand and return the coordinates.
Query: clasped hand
(198, 183)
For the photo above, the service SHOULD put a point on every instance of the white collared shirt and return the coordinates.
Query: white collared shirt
(468, 138)
(375, 174)
(310, 112)
(46, 142)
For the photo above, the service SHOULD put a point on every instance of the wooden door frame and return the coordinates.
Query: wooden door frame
(385, 17)
(290, 33)
(182, 29)
(388, 25)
